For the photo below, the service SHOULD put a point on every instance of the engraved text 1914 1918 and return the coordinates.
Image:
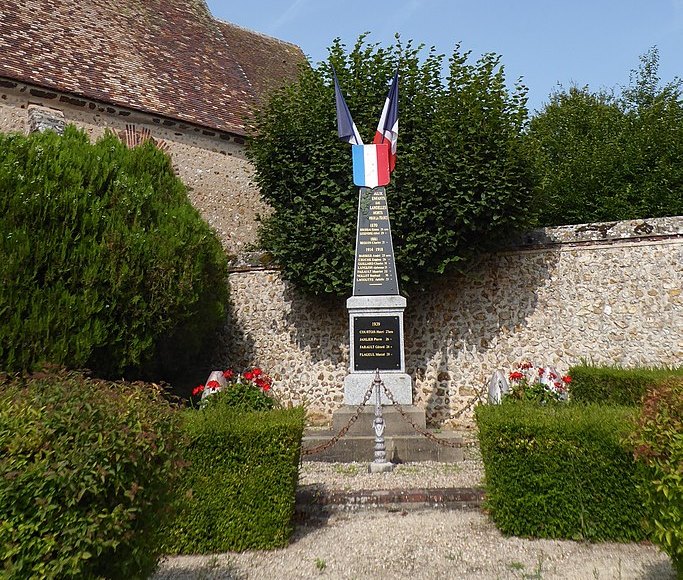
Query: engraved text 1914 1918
(375, 271)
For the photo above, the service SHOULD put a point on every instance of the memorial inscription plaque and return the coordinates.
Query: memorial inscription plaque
(377, 343)
(375, 271)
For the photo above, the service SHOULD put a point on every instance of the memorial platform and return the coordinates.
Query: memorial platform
(404, 444)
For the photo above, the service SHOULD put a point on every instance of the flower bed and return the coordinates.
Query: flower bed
(539, 384)
(247, 391)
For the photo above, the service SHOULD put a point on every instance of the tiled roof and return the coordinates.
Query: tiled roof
(165, 57)
(266, 61)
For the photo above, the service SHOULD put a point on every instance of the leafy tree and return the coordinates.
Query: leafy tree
(605, 156)
(104, 263)
(461, 181)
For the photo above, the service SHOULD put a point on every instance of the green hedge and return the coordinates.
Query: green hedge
(658, 442)
(615, 385)
(238, 492)
(561, 471)
(87, 470)
(104, 263)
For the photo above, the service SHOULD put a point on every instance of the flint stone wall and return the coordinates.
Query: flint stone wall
(607, 293)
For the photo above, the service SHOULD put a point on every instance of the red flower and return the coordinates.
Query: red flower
(257, 372)
(229, 374)
(541, 371)
(266, 387)
(213, 385)
(566, 379)
(516, 375)
(525, 365)
(249, 375)
(197, 390)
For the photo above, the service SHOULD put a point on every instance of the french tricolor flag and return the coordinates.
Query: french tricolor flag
(370, 165)
(345, 126)
(387, 129)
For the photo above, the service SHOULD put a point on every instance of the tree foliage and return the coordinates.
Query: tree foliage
(607, 156)
(104, 263)
(461, 181)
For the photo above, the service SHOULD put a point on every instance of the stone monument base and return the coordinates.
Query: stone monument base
(403, 443)
(357, 384)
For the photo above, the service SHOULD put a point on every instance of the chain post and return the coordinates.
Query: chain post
(373, 387)
(380, 463)
(421, 431)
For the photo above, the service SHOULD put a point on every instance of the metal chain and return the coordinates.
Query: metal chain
(344, 429)
(445, 442)
(475, 399)
(420, 430)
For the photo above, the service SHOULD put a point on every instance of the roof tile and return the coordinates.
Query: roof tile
(165, 57)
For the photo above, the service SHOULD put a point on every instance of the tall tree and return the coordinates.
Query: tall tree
(104, 263)
(610, 155)
(461, 182)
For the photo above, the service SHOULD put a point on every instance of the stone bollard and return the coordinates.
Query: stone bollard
(498, 387)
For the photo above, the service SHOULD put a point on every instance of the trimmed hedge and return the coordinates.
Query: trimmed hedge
(87, 470)
(238, 492)
(561, 471)
(658, 442)
(104, 263)
(615, 385)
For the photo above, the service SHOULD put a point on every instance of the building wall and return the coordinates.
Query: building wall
(213, 165)
(606, 293)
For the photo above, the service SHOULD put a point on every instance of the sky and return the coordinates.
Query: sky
(548, 43)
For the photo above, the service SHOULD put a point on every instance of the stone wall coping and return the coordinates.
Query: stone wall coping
(250, 261)
(652, 229)
(601, 232)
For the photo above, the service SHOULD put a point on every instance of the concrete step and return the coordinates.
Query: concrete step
(399, 448)
(394, 422)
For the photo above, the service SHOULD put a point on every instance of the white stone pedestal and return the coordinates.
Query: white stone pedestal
(357, 383)
(384, 467)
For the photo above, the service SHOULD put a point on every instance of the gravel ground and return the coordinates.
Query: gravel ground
(418, 544)
(427, 474)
